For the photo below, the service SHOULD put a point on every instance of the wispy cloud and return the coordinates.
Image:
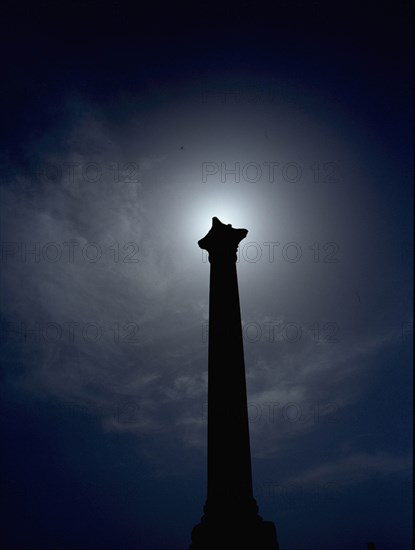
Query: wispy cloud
(354, 468)
(148, 301)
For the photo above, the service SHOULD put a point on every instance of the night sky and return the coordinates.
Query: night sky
(125, 128)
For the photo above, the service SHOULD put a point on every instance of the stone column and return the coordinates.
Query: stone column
(230, 513)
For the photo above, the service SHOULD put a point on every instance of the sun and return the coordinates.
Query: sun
(227, 209)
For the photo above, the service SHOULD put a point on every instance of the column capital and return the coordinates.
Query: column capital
(222, 240)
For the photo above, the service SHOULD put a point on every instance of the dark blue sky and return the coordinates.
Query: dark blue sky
(121, 125)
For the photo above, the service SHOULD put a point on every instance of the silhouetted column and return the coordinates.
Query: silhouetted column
(231, 514)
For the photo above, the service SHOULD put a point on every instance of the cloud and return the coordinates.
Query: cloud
(354, 468)
(108, 332)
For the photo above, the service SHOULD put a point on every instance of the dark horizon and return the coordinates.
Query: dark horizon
(125, 130)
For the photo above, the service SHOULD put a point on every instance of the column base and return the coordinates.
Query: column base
(255, 534)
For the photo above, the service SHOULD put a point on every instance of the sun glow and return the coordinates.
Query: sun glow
(229, 210)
